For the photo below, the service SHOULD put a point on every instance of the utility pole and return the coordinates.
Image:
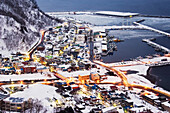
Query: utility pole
(91, 45)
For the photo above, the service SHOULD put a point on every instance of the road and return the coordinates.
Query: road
(125, 81)
(33, 48)
(118, 72)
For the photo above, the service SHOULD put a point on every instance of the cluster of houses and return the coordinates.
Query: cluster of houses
(65, 51)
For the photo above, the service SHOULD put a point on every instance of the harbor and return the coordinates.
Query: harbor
(152, 29)
(73, 52)
(132, 58)
(156, 46)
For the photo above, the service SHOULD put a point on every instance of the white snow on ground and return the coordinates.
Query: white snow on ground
(137, 101)
(73, 74)
(3, 49)
(63, 13)
(125, 63)
(33, 28)
(136, 79)
(141, 68)
(40, 92)
(102, 71)
(35, 76)
(156, 59)
(112, 79)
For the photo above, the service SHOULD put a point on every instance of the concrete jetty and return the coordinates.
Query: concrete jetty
(164, 49)
(152, 29)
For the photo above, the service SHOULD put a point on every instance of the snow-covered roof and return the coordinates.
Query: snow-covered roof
(35, 76)
(153, 97)
(166, 103)
(75, 73)
(107, 109)
(80, 106)
(102, 34)
(129, 100)
(138, 109)
(112, 79)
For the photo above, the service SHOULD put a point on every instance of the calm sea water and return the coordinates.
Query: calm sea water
(152, 7)
(133, 45)
(163, 76)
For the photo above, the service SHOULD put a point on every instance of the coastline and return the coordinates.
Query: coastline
(152, 78)
(156, 79)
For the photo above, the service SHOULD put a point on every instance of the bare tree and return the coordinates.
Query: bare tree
(36, 107)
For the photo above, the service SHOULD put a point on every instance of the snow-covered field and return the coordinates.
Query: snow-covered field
(41, 92)
(35, 76)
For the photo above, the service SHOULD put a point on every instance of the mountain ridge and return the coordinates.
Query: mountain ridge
(21, 21)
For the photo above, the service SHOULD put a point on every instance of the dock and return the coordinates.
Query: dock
(156, 46)
(117, 14)
(152, 29)
(115, 27)
(162, 63)
(111, 47)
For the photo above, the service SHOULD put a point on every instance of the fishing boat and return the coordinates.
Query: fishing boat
(118, 40)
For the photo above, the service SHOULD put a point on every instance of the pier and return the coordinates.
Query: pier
(152, 29)
(153, 44)
(157, 64)
(111, 48)
(103, 28)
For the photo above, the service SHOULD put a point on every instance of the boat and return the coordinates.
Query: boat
(157, 49)
(118, 40)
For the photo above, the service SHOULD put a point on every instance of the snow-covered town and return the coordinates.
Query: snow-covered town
(63, 72)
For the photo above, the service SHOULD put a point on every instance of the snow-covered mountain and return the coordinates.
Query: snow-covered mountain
(20, 22)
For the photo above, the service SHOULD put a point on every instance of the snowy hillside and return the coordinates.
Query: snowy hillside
(20, 22)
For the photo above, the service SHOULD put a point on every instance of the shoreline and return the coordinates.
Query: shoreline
(152, 78)
(155, 78)
(94, 13)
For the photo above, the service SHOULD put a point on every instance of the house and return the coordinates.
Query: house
(41, 69)
(29, 69)
(166, 105)
(150, 98)
(127, 103)
(15, 104)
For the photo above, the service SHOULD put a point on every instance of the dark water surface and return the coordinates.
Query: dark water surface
(163, 76)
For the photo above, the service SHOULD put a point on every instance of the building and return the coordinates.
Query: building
(111, 109)
(28, 98)
(29, 69)
(95, 76)
(150, 98)
(128, 103)
(15, 104)
(166, 105)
